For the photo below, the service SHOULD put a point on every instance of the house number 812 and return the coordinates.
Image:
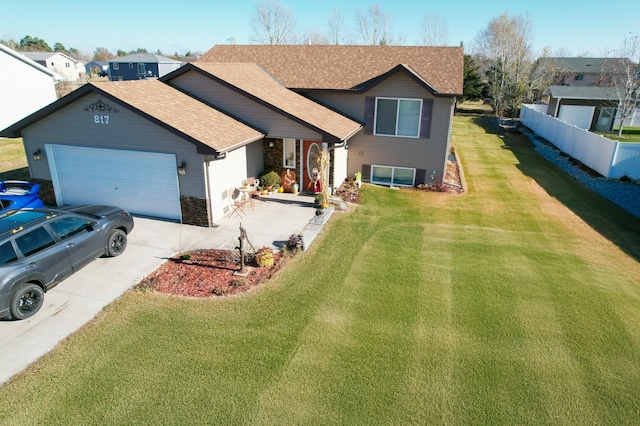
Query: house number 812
(101, 119)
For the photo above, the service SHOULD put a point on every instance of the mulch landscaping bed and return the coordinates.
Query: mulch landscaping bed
(207, 273)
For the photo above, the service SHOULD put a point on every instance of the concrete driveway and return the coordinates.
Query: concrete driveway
(80, 297)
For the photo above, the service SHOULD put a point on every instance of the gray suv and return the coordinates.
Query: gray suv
(41, 247)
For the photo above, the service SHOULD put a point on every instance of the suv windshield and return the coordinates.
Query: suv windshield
(16, 218)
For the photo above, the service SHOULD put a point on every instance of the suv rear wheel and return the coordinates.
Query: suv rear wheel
(26, 301)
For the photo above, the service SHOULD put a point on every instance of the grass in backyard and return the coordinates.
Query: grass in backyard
(629, 134)
(13, 165)
(516, 303)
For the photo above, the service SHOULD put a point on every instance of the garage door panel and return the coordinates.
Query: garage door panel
(140, 182)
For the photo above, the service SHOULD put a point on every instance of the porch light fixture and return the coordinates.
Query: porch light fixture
(271, 144)
(37, 154)
(182, 168)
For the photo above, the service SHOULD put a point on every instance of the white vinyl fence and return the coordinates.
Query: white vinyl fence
(611, 159)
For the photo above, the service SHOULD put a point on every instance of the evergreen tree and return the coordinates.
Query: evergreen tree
(472, 90)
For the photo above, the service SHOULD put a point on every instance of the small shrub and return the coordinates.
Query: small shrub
(270, 179)
(185, 257)
(219, 291)
(625, 178)
(264, 257)
(295, 242)
(238, 282)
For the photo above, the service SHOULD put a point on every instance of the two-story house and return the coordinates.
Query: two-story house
(64, 65)
(172, 147)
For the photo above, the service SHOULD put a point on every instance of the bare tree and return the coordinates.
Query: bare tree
(506, 44)
(314, 36)
(547, 71)
(272, 23)
(102, 54)
(434, 30)
(626, 77)
(337, 30)
(374, 27)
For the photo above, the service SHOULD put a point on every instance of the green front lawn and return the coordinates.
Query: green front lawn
(515, 303)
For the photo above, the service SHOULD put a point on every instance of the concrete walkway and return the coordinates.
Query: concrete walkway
(80, 297)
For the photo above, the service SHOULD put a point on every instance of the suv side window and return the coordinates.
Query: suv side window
(7, 253)
(34, 241)
(69, 226)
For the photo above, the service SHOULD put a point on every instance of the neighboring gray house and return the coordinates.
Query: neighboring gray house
(582, 72)
(97, 67)
(25, 86)
(590, 108)
(138, 66)
(173, 147)
(64, 65)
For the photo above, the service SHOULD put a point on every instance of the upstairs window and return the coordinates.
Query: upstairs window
(398, 117)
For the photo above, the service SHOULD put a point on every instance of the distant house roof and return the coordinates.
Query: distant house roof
(255, 83)
(212, 131)
(582, 92)
(144, 57)
(43, 56)
(19, 56)
(322, 67)
(586, 65)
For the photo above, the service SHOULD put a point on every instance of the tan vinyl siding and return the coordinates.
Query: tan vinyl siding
(273, 123)
(126, 130)
(429, 154)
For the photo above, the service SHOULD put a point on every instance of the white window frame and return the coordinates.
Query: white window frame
(116, 66)
(396, 135)
(131, 65)
(285, 142)
(393, 169)
(142, 68)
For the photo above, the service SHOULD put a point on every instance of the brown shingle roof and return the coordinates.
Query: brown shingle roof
(347, 67)
(257, 84)
(178, 111)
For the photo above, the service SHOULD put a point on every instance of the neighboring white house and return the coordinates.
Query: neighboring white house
(58, 62)
(25, 86)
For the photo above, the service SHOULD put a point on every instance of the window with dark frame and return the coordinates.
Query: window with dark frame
(398, 117)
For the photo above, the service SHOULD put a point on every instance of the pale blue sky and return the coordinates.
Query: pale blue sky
(190, 25)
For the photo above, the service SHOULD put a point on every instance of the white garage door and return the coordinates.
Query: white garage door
(144, 183)
(578, 115)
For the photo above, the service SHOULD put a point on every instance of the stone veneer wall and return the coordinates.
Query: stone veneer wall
(195, 211)
(47, 195)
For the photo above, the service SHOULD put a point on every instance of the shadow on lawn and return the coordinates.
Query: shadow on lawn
(607, 218)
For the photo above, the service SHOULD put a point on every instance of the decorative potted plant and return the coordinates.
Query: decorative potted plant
(359, 179)
(269, 180)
